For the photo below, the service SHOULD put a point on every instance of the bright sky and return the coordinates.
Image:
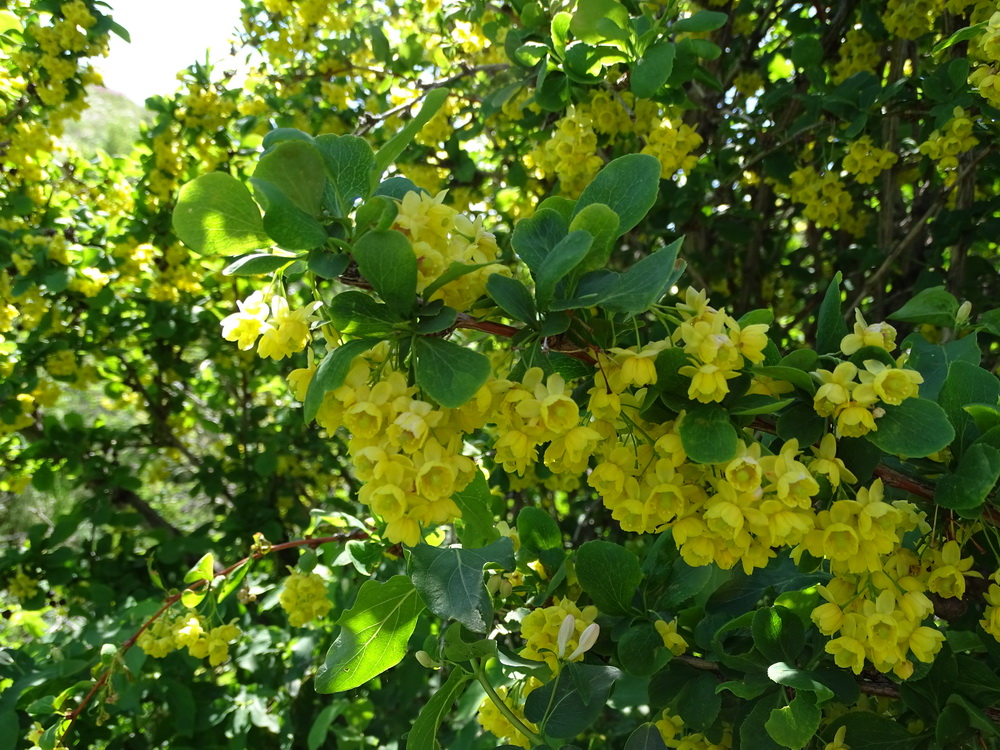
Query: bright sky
(166, 37)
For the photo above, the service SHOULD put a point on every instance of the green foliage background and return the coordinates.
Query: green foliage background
(134, 439)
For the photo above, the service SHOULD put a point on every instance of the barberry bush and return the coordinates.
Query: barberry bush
(595, 374)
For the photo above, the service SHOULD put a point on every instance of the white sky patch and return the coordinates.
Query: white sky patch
(166, 38)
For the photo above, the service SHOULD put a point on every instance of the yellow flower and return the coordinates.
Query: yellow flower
(671, 640)
(708, 382)
(855, 420)
(836, 388)
(890, 384)
(245, 326)
(826, 462)
(881, 335)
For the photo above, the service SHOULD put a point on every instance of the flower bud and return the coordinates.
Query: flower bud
(566, 631)
(963, 313)
(425, 660)
(587, 640)
(493, 584)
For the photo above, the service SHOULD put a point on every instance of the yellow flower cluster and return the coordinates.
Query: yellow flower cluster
(876, 613)
(439, 128)
(826, 200)
(986, 76)
(22, 586)
(62, 47)
(188, 631)
(440, 236)
(748, 83)
(282, 331)
(865, 160)
(204, 109)
(991, 616)
(534, 412)
(717, 347)
(304, 598)
(954, 139)
(910, 19)
(571, 153)
(672, 142)
(540, 631)
(858, 53)
(672, 731)
(490, 718)
(853, 403)
(407, 451)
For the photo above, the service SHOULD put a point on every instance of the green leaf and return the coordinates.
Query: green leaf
(699, 702)
(396, 145)
(703, 20)
(296, 169)
(535, 236)
(799, 679)
(540, 537)
(450, 580)
(754, 404)
(646, 737)
(651, 72)
(831, 326)
(708, 435)
(373, 635)
(288, 225)
(933, 306)
(972, 481)
(610, 574)
(442, 320)
(276, 136)
(638, 288)
(777, 633)
(870, 731)
(628, 186)
(349, 163)
(321, 724)
(962, 35)
(328, 265)
(386, 259)
(640, 650)
(423, 734)
(597, 21)
(602, 224)
(203, 570)
(752, 730)
(916, 428)
(513, 298)
(256, 264)
(573, 702)
(559, 262)
(461, 644)
(331, 373)
(966, 384)
(448, 373)
(215, 214)
(359, 314)
(932, 361)
(477, 526)
(234, 579)
(796, 724)
(985, 416)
